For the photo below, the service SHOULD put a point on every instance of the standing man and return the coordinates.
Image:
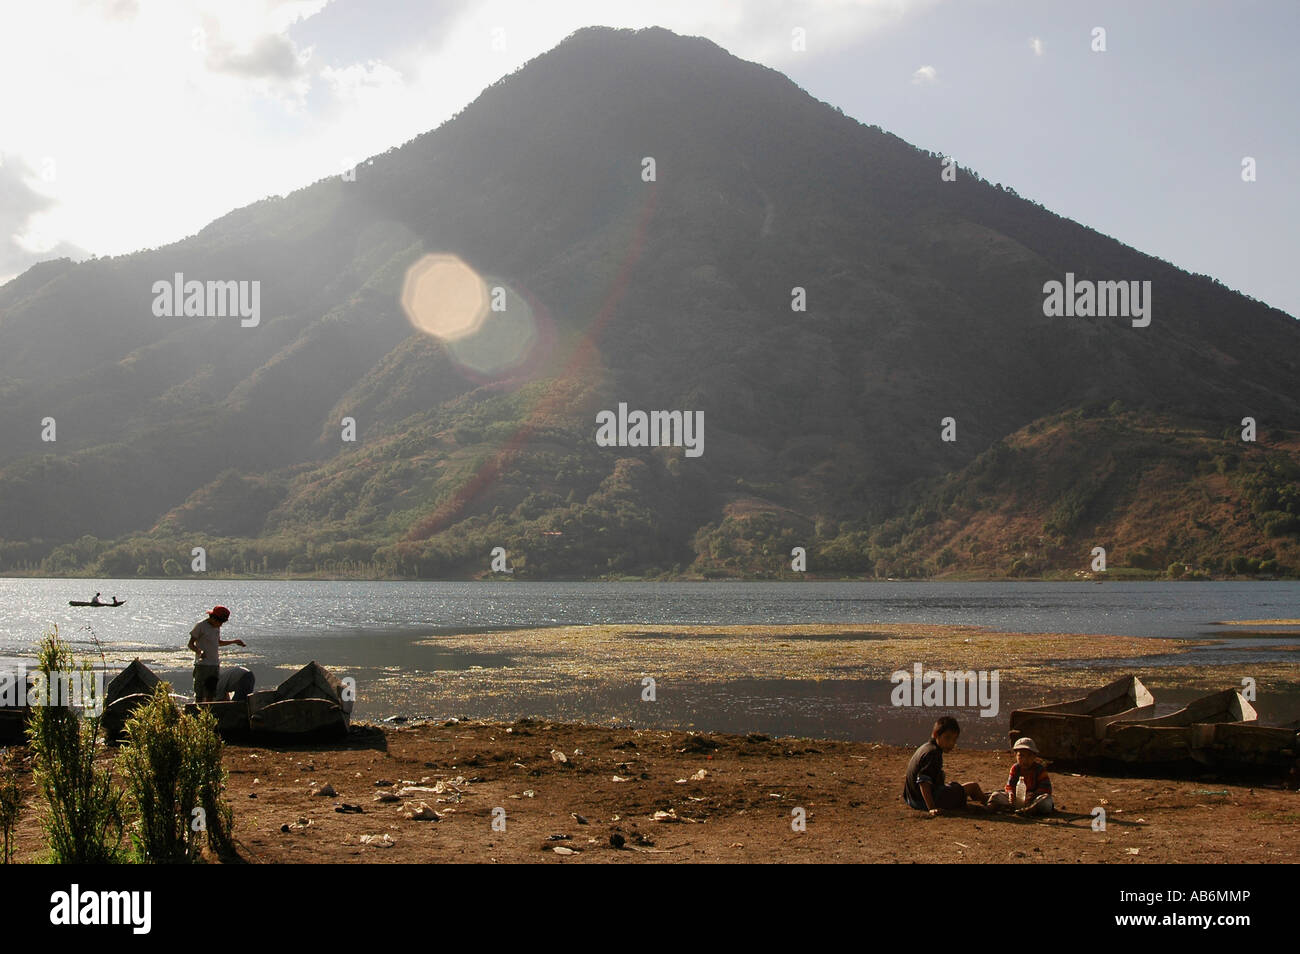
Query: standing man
(205, 643)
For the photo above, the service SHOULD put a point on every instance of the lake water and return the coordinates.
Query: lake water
(374, 625)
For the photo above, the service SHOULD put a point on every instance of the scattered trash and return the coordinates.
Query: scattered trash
(1132, 851)
(619, 778)
(561, 850)
(559, 837)
(383, 783)
(529, 793)
(386, 797)
(558, 756)
(346, 809)
(422, 812)
(378, 841)
(1205, 791)
(326, 791)
(302, 823)
(616, 840)
(578, 818)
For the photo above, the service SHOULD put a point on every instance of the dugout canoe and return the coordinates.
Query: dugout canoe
(1186, 735)
(13, 717)
(129, 689)
(1219, 731)
(1075, 729)
(311, 703)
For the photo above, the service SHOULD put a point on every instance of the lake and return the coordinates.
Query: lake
(373, 626)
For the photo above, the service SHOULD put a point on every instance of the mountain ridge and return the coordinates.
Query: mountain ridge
(924, 302)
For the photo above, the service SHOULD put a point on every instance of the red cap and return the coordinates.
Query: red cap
(220, 612)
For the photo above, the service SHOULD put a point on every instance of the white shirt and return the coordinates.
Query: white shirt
(208, 638)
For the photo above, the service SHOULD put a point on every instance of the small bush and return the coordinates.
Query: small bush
(11, 803)
(174, 778)
(84, 824)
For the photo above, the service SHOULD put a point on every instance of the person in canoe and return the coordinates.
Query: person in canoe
(97, 601)
(206, 642)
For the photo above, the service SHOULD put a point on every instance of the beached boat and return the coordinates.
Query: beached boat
(1244, 745)
(130, 688)
(1075, 729)
(1117, 725)
(1183, 736)
(311, 702)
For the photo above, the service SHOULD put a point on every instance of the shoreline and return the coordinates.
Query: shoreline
(828, 681)
(612, 795)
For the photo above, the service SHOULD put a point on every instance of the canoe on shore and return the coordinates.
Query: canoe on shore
(1217, 731)
(310, 704)
(1074, 729)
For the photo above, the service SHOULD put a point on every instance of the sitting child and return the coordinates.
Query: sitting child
(1038, 786)
(924, 788)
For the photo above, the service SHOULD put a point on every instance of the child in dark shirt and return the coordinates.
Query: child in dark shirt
(924, 788)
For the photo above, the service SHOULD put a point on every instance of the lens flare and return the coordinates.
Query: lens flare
(444, 297)
(486, 326)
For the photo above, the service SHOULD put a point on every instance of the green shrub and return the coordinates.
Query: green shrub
(174, 777)
(11, 803)
(84, 824)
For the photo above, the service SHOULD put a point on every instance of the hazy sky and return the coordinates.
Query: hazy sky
(132, 123)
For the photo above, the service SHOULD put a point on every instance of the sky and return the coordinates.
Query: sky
(128, 124)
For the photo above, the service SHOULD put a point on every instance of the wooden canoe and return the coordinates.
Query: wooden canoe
(1183, 736)
(1075, 729)
(312, 702)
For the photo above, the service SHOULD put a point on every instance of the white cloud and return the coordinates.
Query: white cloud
(22, 244)
(1036, 44)
(925, 76)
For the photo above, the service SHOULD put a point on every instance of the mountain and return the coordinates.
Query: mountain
(822, 427)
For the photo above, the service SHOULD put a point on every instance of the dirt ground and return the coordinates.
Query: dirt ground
(719, 798)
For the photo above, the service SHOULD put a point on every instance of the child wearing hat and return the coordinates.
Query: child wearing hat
(1033, 773)
(205, 643)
